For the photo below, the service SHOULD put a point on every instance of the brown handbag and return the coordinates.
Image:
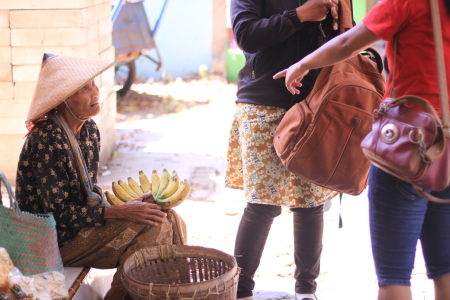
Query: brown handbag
(414, 145)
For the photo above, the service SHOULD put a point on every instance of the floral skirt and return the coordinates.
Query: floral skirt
(253, 165)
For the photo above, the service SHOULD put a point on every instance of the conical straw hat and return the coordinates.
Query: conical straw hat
(59, 78)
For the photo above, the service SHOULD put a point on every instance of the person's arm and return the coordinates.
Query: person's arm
(59, 192)
(254, 33)
(138, 211)
(338, 49)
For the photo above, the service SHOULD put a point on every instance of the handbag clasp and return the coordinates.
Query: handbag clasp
(389, 133)
(384, 108)
(420, 142)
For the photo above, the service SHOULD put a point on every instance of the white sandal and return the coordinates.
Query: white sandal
(305, 297)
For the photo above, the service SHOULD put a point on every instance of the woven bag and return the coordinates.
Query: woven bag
(29, 239)
(181, 272)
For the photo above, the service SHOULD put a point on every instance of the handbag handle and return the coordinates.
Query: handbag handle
(416, 101)
(440, 62)
(442, 81)
(12, 198)
(429, 197)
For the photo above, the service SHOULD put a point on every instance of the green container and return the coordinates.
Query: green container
(235, 60)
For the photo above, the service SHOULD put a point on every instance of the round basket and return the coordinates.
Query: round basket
(181, 272)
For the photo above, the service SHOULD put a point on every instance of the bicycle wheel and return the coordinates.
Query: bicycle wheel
(127, 71)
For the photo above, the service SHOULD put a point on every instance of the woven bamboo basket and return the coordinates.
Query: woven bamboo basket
(181, 272)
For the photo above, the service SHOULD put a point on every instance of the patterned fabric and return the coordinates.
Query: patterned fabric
(93, 198)
(253, 165)
(47, 179)
(109, 246)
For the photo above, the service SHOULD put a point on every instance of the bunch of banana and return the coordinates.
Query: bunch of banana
(167, 189)
(112, 199)
(123, 192)
(176, 198)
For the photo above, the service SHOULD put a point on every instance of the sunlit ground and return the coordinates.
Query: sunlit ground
(197, 137)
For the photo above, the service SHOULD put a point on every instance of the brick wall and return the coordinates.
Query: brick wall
(28, 28)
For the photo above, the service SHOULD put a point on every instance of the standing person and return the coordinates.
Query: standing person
(399, 216)
(273, 35)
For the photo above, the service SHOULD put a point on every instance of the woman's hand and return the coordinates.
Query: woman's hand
(139, 210)
(294, 75)
(147, 197)
(317, 10)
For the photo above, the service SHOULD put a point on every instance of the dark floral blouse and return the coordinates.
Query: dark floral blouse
(47, 180)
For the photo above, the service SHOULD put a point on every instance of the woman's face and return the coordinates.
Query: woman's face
(84, 103)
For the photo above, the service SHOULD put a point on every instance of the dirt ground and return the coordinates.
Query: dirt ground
(183, 125)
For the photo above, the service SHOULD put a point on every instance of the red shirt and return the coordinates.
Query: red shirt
(416, 72)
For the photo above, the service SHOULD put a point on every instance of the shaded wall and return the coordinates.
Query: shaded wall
(28, 28)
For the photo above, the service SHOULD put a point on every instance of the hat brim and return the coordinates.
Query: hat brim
(59, 78)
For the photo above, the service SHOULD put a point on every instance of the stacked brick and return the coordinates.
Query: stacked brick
(29, 28)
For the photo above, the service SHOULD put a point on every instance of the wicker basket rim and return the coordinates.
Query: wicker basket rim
(180, 250)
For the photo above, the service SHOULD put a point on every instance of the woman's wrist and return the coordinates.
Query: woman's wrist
(300, 14)
(113, 212)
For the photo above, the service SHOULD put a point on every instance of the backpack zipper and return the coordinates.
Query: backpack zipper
(356, 67)
(333, 90)
(364, 71)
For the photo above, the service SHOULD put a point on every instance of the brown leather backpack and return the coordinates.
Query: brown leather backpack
(319, 138)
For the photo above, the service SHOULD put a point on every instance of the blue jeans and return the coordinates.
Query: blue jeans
(399, 217)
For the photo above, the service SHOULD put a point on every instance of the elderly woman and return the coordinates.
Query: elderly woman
(58, 170)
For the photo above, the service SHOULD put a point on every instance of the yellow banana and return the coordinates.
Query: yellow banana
(177, 198)
(165, 176)
(172, 187)
(113, 200)
(135, 186)
(155, 182)
(120, 192)
(127, 189)
(146, 186)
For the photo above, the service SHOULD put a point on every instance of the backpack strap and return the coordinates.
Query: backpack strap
(340, 206)
(346, 20)
(375, 56)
